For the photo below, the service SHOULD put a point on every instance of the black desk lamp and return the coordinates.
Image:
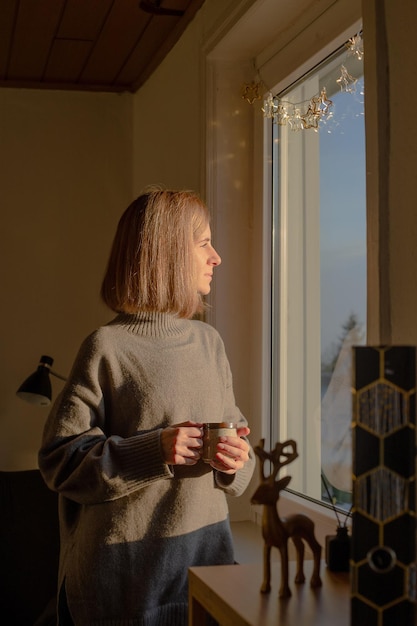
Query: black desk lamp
(37, 388)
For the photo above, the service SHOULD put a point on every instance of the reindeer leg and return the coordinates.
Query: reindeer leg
(284, 591)
(266, 585)
(316, 549)
(299, 546)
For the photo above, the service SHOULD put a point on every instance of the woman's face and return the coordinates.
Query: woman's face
(206, 259)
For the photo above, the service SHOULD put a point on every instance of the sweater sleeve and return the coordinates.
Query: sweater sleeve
(79, 458)
(235, 485)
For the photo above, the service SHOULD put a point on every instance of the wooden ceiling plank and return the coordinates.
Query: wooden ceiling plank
(66, 60)
(35, 28)
(83, 19)
(8, 10)
(119, 36)
(167, 45)
(127, 43)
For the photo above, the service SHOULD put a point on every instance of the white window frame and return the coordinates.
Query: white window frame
(296, 343)
(295, 380)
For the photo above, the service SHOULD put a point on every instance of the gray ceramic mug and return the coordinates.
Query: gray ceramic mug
(211, 433)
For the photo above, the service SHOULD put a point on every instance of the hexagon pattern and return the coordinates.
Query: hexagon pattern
(383, 548)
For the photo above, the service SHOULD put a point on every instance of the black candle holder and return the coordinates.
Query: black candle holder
(337, 548)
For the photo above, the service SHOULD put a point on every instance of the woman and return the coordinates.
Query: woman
(122, 444)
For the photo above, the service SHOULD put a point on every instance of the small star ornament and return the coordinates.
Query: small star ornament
(270, 107)
(325, 104)
(311, 118)
(296, 121)
(346, 82)
(281, 116)
(355, 45)
(251, 92)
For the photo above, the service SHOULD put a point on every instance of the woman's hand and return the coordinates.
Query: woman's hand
(232, 452)
(182, 443)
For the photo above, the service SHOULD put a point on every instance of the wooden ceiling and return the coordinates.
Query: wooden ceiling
(88, 45)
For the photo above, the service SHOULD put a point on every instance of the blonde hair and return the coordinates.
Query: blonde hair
(151, 264)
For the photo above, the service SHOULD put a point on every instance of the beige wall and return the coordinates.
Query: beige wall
(170, 109)
(65, 175)
(167, 134)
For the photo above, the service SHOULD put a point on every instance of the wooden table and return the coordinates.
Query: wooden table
(231, 594)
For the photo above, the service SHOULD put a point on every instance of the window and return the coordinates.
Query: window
(319, 267)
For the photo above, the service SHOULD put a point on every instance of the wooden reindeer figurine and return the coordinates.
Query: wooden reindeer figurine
(276, 531)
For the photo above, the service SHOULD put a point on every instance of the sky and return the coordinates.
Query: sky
(342, 216)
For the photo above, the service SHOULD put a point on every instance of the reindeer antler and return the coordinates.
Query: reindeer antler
(280, 450)
(286, 450)
(262, 456)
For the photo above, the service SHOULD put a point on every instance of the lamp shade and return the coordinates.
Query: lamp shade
(37, 388)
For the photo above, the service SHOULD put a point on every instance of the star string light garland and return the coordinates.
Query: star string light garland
(309, 113)
(299, 115)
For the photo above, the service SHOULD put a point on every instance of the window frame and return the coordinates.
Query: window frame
(295, 283)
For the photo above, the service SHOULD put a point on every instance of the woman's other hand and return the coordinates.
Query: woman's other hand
(232, 452)
(182, 443)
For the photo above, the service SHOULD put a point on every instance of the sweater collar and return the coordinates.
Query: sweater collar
(148, 324)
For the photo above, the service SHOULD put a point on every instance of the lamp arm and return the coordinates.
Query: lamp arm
(57, 375)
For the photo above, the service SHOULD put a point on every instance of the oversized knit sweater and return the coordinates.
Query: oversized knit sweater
(131, 525)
